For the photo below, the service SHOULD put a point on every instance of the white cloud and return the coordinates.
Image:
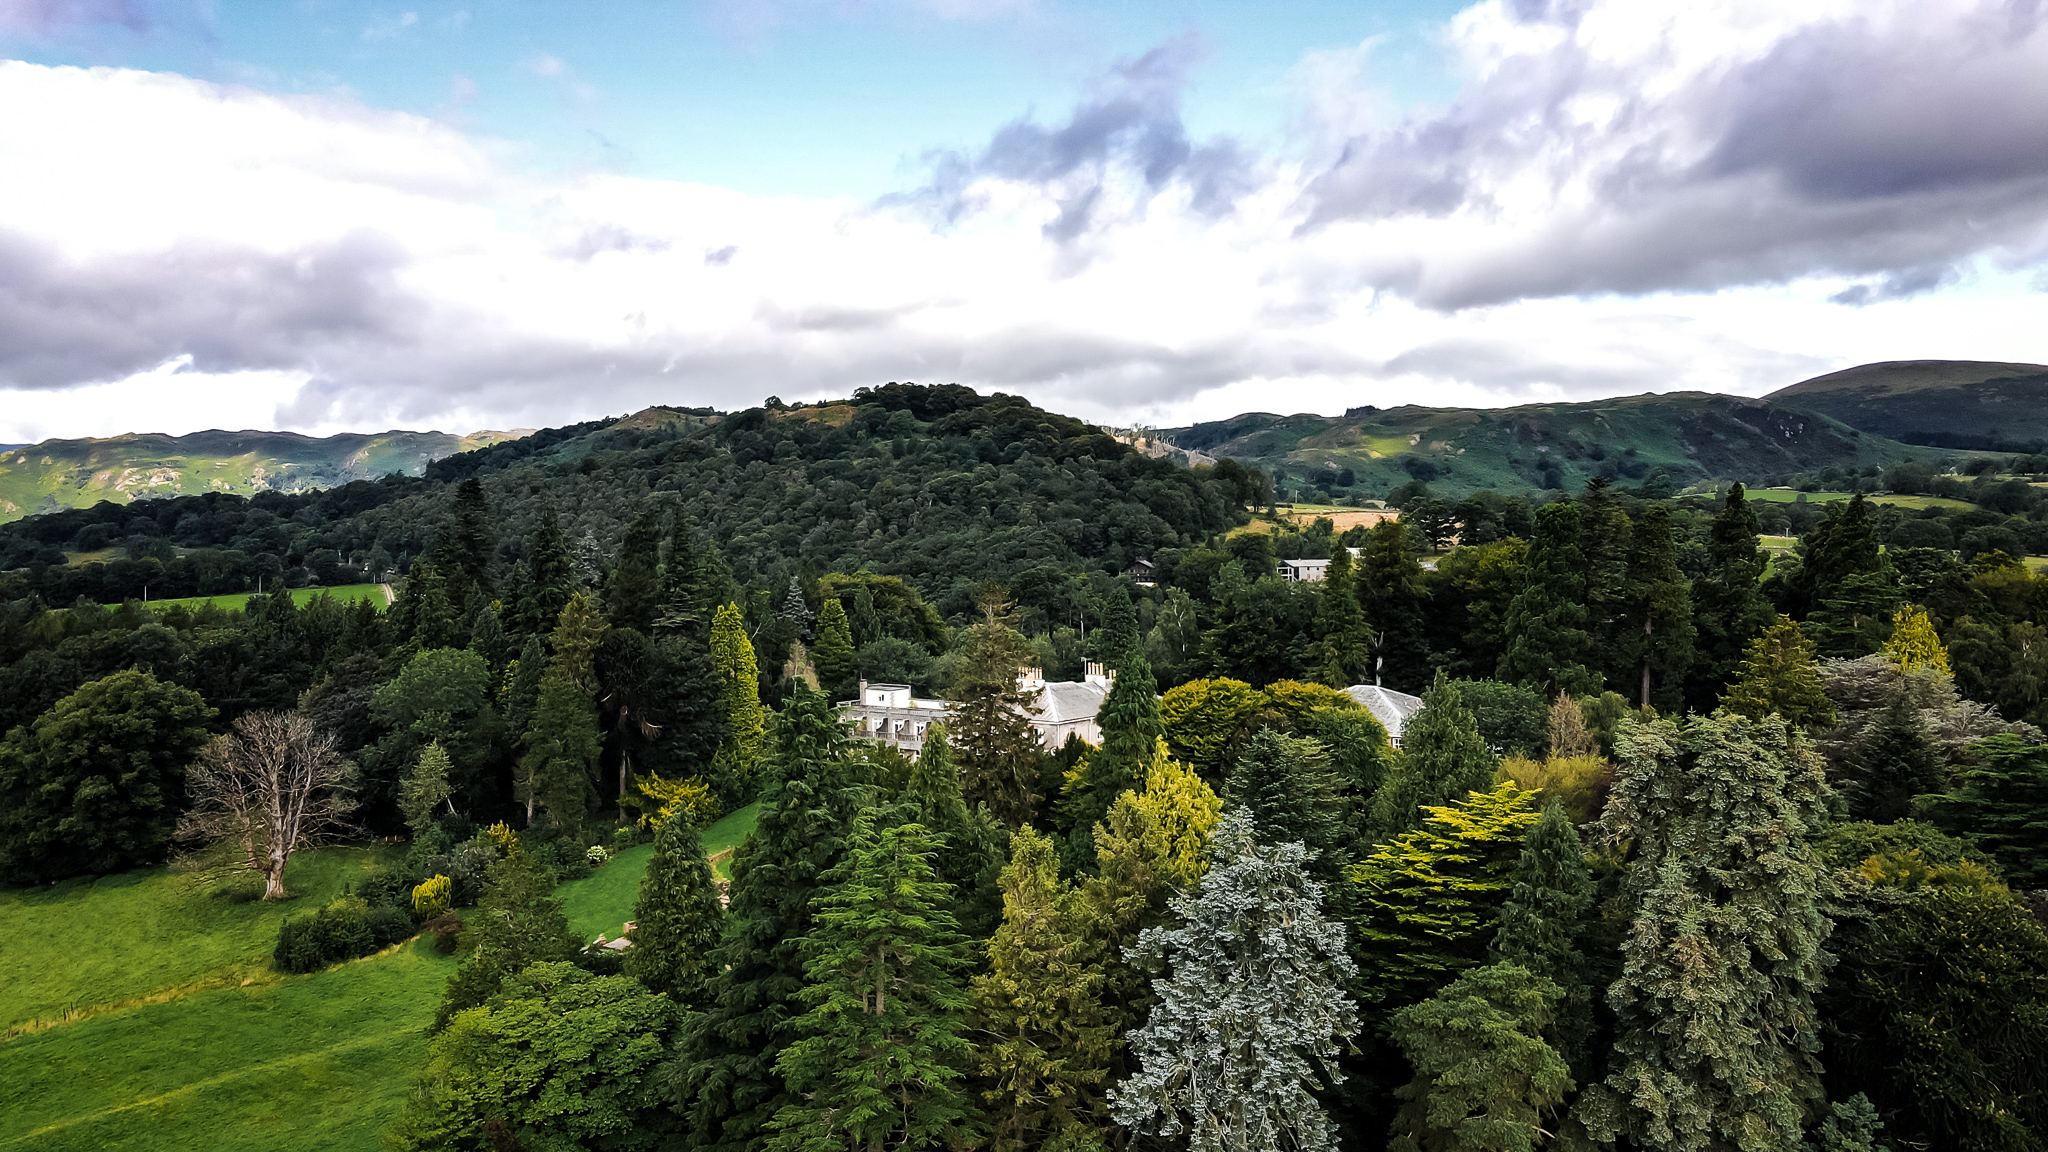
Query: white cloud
(1604, 210)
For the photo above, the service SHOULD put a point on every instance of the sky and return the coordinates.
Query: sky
(328, 215)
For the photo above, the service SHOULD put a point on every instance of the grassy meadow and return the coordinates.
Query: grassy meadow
(236, 602)
(1916, 503)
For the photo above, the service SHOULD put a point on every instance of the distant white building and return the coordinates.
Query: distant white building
(1310, 571)
(1392, 709)
(888, 713)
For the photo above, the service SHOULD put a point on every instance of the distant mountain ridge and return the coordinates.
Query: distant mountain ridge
(1962, 404)
(56, 474)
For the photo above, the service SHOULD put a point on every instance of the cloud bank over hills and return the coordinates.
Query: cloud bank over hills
(1621, 197)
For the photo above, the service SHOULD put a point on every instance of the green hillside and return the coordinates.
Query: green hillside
(1948, 403)
(1691, 436)
(58, 474)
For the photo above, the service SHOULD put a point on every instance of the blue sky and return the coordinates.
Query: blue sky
(336, 215)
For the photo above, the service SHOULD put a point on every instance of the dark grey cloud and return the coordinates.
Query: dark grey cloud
(1131, 123)
(1865, 147)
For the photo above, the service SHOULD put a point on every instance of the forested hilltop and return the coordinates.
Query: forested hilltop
(1700, 839)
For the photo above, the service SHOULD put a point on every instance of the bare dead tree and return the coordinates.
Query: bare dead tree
(273, 786)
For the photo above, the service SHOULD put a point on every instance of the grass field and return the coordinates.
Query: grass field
(2039, 564)
(1778, 543)
(374, 593)
(1787, 496)
(730, 831)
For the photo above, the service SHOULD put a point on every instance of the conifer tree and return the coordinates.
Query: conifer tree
(550, 576)
(1893, 765)
(2001, 804)
(1484, 1075)
(516, 923)
(1119, 635)
(992, 736)
(1252, 1012)
(878, 1060)
(1659, 626)
(1342, 655)
(866, 622)
(632, 593)
(1548, 644)
(971, 858)
(1604, 547)
(1914, 643)
(1729, 607)
(1780, 677)
(1388, 585)
(579, 632)
(425, 789)
(739, 697)
(834, 652)
(678, 918)
(797, 610)
(1442, 759)
(472, 537)
(1429, 898)
(724, 1079)
(1286, 784)
(563, 743)
(1568, 735)
(1542, 920)
(1048, 1041)
(1131, 731)
(1716, 1035)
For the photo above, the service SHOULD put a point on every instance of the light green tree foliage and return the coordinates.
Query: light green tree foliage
(1252, 1012)
(878, 1060)
(579, 632)
(557, 1061)
(834, 651)
(1484, 1075)
(1549, 897)
(1442, 758)
(563, 742)
(1717, 1039)
(1429, 897)
(1202, 719)
(678, 918)
(739, 696)
(1548, 642)
(424, 790)
(1342, 654)
(1047, 1040)
(1853, 1127)
(1780, 677)
(442, 694)
(516, 923)
(1130, 729)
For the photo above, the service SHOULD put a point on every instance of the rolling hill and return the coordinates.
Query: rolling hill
(1969, 404)
(1691, 436)
(57, 474)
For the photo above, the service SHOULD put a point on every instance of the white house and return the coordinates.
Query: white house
(1392, 709)
(890, 714)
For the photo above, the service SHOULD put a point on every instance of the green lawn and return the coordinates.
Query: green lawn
(730, 831)
(1778, 542)
(1787, 496)
(603, 901)
(374, 593)
(2039, 564)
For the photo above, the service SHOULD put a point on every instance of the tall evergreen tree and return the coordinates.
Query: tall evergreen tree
(1659, 633)
(1047, 1039)
(1892, 765)
(1717, 1039)
(1389, 589)
(1541, 923)
(1285, 782)
(1729, 607)
(1549, 645)
(1131, 730)
(797, 610)
(995, 743)
(724, 1079)
(971, 856)
(562, 746)
(739, 697)
(678, 919)
(1442, 759)
(866, 622)
(550, 576)
(1604, 547)
(632, 593)
(2001, 804)
(424, 790)
(1343, 650)
(1914, 642)
(1780, 677)
(1484, 1075)
(472, 536)
(834, 652)
(878, 1060)
(578, 633)
(1252, 1012)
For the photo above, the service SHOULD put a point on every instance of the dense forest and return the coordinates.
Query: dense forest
(1693, 844)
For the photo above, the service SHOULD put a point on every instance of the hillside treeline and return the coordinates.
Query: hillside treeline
(1690, 845)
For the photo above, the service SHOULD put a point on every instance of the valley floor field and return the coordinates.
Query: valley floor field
(376, 594)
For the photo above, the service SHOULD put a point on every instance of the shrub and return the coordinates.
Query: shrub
(596, 855)
(447, 930)
(432, 897)
(343, 930)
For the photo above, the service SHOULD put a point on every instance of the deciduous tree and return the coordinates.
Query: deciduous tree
(272, 785)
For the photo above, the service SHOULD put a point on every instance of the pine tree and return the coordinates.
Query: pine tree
(834, 653)
(739, 696)
(632, 593)
(971, 861)
(1119, 632)
(472, 537)
(1442, 759)
(797, 610)
(1716, 1035)
(2001, 804)
(550, 577)
(1048, 1042)
(1893, 765)
(516, 923)
(1659, 633)
(579, 631)
(1343, 650)
(1604, 547)
(1729, 607)
(678, 918)
(694, 585)
(1914, 643)
(1286, 784)
(1252, 1012)
(563, 743)
(1389, 589)
(1484, 1075)
(1542, 920)
(994, 741)
(877, 1061)
(1131, 730)
(424, 790)
(724, 1079)
(1780, 677)
(1548, 644)
(1430, 897)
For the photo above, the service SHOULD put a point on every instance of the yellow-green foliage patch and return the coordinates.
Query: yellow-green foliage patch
(1787, 496)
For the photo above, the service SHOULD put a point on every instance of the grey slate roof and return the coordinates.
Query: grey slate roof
(1062, 701)
(1392, 709)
